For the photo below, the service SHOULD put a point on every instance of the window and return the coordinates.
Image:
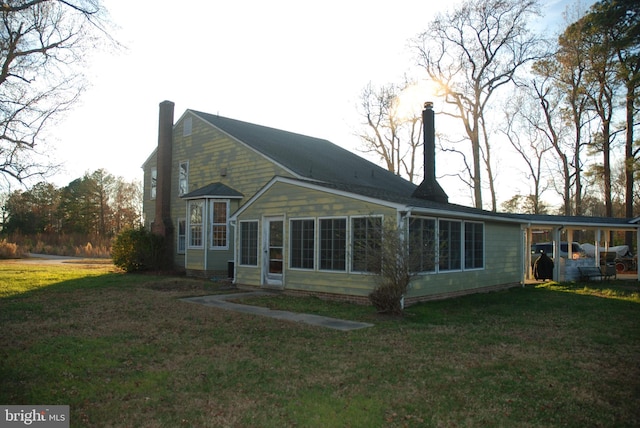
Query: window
(366, 243)
(422, 244)
(219, 213)
(450, 236)
(182, 235)
(187, 126)
(183, 178)
(195, 223)
(333, 244)
(154, 183)
(473, 245)
(302, 253)
(249, 243)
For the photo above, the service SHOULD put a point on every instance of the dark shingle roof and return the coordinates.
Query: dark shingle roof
(213, 190)
(309, 157)
(331, 166)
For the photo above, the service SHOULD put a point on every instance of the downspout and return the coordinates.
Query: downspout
(403, 223)
(205, 235)
(236, 239)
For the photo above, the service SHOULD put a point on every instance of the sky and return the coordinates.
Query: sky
(293, 65)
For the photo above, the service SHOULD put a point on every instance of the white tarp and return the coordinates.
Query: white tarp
(620, 250)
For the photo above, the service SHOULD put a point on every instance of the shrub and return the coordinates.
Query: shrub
(91, 250)
(138, 250)
(387, 298)
(389, 257)
(9, 250)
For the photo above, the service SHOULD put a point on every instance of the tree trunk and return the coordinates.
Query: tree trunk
(629, 163)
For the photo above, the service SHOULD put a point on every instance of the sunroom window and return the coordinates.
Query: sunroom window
(366, 233)
(249, 243)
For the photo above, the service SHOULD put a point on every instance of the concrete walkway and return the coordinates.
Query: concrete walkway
(221, 301)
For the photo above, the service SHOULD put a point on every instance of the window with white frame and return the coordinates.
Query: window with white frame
(302, 249)
(473, 245)
(183, 178)
(187, 126)
(219, 212)
(333, 244)
(366, 241)
(182, 235)
(450, 244)
(422, 244)
(154, 183)
(249, 243)
(196, 210)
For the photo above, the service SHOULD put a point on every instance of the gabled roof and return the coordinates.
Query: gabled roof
(214, 190)
(309, 157)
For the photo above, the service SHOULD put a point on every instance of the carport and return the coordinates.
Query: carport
(559, 229)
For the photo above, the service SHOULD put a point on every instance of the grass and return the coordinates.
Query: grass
(121, 350)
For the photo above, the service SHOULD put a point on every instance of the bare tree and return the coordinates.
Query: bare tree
(470, 53)
(619, 23)
(551, 95)
(43, 46)
(392, 134)
(126, 202)
(523, 126)
(568, 69)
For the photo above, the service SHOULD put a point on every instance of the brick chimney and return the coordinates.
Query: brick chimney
(430, 189)
(162, 224)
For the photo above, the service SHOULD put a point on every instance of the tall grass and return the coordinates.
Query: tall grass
(59, 244)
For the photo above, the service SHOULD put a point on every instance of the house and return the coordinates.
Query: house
(275, 209)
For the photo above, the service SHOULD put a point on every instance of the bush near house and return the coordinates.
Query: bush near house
(396, 260)
(138, 250)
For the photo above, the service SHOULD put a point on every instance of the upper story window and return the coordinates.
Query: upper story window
(183, 178)
(154, 183)
(187, 126)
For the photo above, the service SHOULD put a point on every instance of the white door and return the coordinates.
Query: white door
(273, 251)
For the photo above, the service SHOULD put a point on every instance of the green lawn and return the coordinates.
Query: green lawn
(121, 350)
